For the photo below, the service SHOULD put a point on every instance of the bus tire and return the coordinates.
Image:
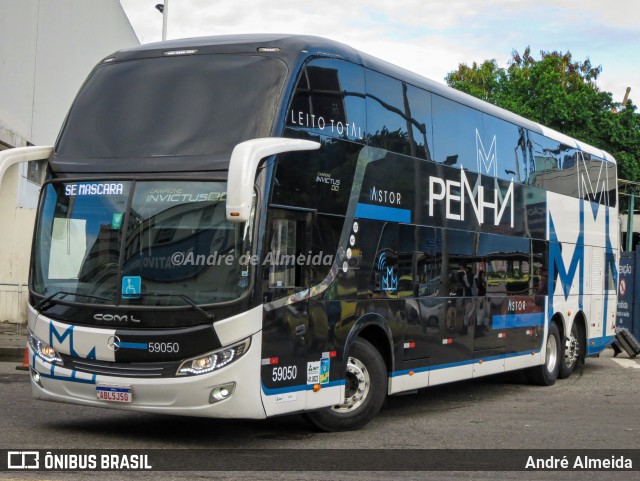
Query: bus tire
(572, 351)
(546, 374)
(365, 391)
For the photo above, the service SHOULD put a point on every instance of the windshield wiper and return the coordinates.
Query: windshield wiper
(51, 301)
(184, 297)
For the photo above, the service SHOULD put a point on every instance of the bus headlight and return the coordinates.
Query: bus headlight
(44, 350)
(215, 360)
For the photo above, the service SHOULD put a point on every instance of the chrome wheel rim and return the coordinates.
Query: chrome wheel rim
(571, 350)
(552, 353)
(357, 383)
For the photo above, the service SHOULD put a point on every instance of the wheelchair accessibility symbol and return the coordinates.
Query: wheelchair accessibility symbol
(131, 286)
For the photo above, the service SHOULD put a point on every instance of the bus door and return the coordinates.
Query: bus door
(287, 332)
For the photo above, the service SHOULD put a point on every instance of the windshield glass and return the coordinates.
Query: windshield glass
(140, 243)
(173, 106)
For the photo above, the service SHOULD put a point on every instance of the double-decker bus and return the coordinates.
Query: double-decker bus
(252, 226)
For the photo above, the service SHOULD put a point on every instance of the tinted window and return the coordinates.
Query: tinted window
(593, 184)
(554, 165)
(325, 235)
(506, 150)
(192, 105)
(398, 116)
(287, 255)
(458, 255)
(566, 170)
(432, 269)
(178, 243)
(317, 179)
(407, 254)
(539, 269)
(508, 264)
(79, 237)
(458, 133)
(612, 183)
(329, 100)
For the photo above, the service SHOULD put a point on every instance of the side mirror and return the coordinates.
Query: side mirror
(245, 159)
(18, 155)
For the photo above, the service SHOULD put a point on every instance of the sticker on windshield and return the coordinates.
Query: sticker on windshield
(131, 286)
(116, 221)
(101, 188)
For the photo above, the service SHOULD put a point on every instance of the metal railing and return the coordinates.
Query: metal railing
(13, 314)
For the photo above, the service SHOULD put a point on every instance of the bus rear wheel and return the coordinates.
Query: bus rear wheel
(547, 373)
(365, 391)
(572, 351)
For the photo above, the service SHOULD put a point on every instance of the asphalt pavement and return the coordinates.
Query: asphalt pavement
(597, 408)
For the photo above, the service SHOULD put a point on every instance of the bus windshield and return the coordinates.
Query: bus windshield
(173, 106)
(140, 243)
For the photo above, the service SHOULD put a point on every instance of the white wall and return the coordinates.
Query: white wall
(47, 49)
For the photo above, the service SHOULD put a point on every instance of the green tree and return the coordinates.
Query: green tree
(561, 93)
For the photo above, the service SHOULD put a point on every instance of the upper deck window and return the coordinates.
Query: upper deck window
(398, 116)
(329, 100)
(173, 106)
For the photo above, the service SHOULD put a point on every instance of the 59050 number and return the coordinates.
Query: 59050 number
(284, 373)
(164, 347)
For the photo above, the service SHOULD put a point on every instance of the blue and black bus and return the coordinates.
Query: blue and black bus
(251, 226)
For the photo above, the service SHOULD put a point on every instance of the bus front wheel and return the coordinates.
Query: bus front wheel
(547, 373)
(365, 391)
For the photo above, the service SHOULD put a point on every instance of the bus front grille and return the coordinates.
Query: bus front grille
(121, 369)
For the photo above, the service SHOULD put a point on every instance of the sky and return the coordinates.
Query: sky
(429, 37)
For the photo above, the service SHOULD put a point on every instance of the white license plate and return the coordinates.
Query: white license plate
(118, 394)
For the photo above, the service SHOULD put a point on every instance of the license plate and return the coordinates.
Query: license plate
(118, 394)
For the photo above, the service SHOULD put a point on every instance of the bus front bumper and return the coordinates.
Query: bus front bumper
(185, 395)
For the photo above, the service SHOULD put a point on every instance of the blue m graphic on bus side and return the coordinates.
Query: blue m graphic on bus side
(556, 264)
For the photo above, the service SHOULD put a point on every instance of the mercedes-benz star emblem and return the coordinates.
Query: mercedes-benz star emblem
(114, 343)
